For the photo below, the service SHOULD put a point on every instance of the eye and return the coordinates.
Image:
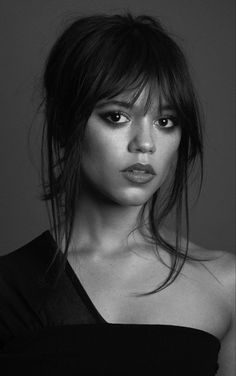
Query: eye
(115, 117)
(167, 122)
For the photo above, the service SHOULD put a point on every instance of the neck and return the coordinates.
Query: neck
(102, 225)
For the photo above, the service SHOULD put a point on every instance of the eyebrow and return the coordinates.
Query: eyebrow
(129, 105)
(114, 102)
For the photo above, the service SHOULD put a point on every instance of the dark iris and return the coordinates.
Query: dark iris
(115, 116)
(163, 122)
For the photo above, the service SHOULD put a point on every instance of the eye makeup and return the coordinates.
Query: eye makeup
(113, 115)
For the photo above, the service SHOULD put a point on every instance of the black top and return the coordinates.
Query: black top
(58, 331)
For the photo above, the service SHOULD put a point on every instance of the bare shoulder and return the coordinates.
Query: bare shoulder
(215, 275)
(220, 263)
(223, 266)
(218, 266)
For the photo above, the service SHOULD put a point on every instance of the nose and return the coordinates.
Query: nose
(142, 138)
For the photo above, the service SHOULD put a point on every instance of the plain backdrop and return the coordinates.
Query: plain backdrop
(206, 31)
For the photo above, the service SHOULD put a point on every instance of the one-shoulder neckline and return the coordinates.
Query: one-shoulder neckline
(87, 300)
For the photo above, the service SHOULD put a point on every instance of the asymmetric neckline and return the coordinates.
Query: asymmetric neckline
(90, 305)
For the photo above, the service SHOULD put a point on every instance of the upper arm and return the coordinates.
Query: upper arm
(227, 362)
(227, 357)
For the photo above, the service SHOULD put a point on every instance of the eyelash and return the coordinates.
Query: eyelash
(172, 118)
(105, 116)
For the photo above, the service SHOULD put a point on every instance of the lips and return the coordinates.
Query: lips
(141, 168)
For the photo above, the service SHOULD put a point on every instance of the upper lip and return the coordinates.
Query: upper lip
(141, 167)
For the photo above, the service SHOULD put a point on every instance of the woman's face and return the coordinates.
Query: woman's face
(119, 135)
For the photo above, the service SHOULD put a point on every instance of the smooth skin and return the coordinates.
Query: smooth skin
(109, 267)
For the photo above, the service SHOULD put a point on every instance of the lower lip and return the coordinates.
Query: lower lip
(138, 177)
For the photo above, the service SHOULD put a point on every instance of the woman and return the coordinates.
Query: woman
(122, 133)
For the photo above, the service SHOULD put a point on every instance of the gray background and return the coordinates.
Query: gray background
(206, 31)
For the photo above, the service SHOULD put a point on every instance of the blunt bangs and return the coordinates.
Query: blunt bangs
(131, 57)
(108, 56)
(126, 55)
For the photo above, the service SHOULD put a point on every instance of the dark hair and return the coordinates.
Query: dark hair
(99, 57)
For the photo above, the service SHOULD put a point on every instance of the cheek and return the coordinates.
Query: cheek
(100, 149)
(168, 154)
(171, 146)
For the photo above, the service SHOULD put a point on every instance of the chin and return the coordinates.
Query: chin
(133, 199)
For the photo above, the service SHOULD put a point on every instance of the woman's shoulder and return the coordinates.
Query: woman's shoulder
(219, 262)
(21, 287)
(213, 268)
(215, 276)
(22, 271)
(28, 258)
(219, 266)
(222, 266)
